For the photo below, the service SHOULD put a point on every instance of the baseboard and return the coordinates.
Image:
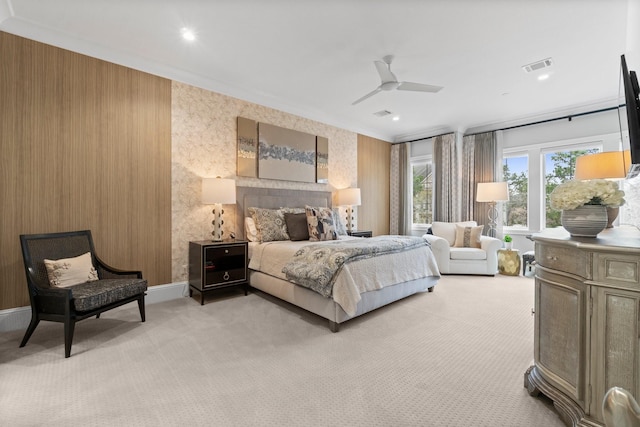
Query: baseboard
(13, 319)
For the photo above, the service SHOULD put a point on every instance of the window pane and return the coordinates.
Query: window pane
(559, 167)
(515, 171)
(422, 193)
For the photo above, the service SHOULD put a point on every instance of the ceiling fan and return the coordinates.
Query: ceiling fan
(390, 82)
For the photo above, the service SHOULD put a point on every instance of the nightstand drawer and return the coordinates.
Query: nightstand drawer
(620, 270)
(223, 277)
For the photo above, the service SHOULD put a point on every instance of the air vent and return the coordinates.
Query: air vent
(538, 65)
(382, 113)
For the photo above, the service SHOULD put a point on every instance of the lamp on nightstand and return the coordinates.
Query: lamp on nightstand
(216, 192)
(349, 197)
(492, 192)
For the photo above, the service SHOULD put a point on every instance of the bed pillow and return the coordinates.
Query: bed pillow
(250, 230)
(297, 226)
(270, 224)
(320, 223)
(468, 236)
(67, 272)
(341, 228)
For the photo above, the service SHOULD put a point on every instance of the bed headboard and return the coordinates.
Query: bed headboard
(274, 198)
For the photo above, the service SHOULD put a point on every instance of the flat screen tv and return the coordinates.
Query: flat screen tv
(632, 103)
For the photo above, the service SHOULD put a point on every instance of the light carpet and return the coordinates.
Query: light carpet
(454, 357)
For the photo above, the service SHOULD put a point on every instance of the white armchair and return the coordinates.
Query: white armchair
(463, 258)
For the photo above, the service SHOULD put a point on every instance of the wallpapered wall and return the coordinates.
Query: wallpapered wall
(203, 134)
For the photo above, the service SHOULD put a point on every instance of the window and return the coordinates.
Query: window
(559, 167)
(422, 191)
(515, 171)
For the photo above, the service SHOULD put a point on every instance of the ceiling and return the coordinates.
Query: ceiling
(314, 58)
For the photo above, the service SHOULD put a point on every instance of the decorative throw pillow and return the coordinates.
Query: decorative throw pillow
(250, 230)
(320, 223)
(468, 237)
(297, 226)
(270, 224)
(67, 272)
(341, 228)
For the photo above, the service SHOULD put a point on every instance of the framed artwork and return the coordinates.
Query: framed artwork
(247, 148)
(286, 154)
(322, 160)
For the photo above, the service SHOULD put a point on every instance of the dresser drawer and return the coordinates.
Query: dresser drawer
(618, 270)
(567, 259)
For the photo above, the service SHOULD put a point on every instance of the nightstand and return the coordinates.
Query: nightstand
(217, 265)
(360, 233)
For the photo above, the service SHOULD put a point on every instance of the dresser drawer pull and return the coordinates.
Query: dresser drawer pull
(552, 258)
(226, 275)
(226, 251)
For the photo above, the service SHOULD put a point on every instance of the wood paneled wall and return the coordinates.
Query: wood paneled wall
(374, 165)
(85, 144)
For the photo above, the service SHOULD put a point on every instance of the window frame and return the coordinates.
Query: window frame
(519, 152)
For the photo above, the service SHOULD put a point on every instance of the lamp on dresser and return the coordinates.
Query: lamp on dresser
(216, 192)
(611, 165)
(349, 197)
(492, 192)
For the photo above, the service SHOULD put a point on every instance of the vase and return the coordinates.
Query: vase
(585, 221)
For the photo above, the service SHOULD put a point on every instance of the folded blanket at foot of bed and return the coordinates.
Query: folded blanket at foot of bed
(316, 266)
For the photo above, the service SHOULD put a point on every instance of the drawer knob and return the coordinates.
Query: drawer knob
(552, 258)
(226, 251)
(226, 275)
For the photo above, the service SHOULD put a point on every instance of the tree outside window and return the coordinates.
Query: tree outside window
(560, 166)
(422, 192)
(515, 171)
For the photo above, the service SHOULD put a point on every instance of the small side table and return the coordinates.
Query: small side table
(360, 233)
(509, 262)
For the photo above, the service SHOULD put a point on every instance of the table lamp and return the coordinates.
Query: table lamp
(612, 165)
(216, 192)
(349, 197)
(492, 192)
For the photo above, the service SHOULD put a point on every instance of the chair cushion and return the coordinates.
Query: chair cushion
(91, 295)
(447, 230)
(467, 254)
(468, 237)
(67, 272)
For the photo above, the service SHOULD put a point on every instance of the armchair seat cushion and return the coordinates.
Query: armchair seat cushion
(468, 254)
(91, 295)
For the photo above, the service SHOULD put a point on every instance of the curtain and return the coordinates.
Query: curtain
(400, 210)
(446, 193)
(480, 162)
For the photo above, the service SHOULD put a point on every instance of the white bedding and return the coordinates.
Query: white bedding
(355, 277)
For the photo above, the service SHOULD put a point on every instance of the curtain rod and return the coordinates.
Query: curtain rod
(569, 117)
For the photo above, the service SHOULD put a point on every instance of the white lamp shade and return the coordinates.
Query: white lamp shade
(349, 197)
(492, 192)
(607, 165)
(218, 190)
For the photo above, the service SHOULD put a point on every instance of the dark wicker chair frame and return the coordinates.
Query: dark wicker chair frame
(57, 304)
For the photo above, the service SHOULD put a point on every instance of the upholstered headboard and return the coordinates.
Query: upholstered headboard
(274, 198)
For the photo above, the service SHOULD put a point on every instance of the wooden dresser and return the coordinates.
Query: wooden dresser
(587, 320)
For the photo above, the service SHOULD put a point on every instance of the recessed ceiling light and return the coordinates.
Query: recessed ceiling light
(543, 77)
(395, 118)
(188, 34)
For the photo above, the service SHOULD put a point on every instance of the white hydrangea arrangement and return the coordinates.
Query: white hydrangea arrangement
(573, 194)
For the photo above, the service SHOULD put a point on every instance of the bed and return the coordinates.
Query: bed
(377, 284)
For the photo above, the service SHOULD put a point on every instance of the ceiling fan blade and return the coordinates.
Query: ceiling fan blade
(373, 92)
(385, 73)
(418, 87)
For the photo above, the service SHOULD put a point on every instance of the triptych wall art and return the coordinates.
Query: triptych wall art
(273, 152)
